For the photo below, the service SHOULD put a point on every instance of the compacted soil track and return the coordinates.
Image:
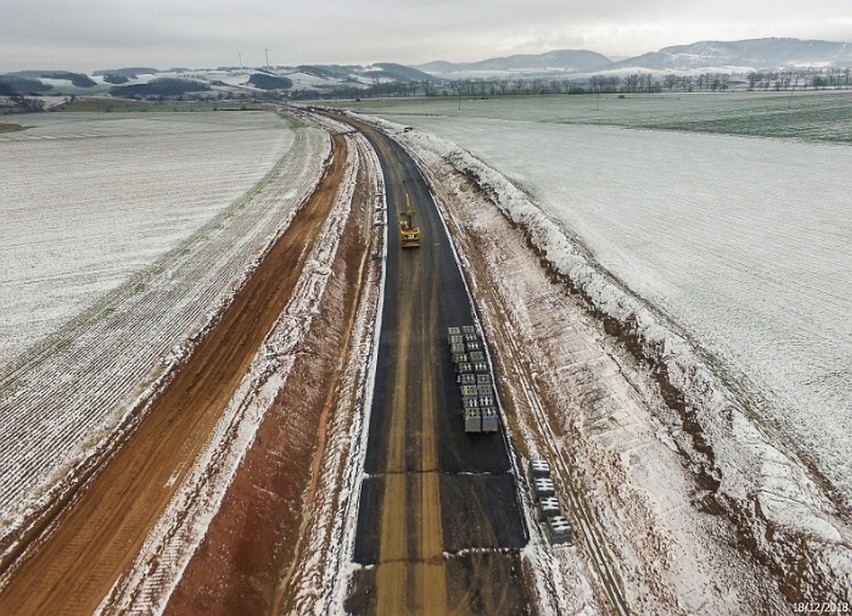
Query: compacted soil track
(98, 536)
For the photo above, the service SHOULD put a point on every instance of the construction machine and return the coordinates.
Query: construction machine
(409, 234)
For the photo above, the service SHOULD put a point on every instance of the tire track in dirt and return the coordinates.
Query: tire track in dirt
(93, 542)
(411, 569)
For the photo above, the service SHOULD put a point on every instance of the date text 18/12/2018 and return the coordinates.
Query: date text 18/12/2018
(821, 607)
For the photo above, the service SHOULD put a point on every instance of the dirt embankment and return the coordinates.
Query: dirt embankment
(253, 539)
(94, 541)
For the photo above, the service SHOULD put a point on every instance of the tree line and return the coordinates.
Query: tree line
(837, 78)
(633, 83)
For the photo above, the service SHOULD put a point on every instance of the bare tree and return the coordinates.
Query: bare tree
(595, 84)
(753, 79)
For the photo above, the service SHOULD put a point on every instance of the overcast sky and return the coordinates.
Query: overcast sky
(87, 35)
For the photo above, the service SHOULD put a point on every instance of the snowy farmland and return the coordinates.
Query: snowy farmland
(126, 237)
(87, 200)
(742, 245)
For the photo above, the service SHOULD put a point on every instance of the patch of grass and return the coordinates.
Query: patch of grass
(806, 125)
(10, 387)
(292, 121)
(815, 118)
(732, 385)
(121, 105)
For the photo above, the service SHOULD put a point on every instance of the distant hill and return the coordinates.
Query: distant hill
(562, 61)
(31, 81)
(279, 81)
(77, 79)
(353, 73)
(18, 84)
(265, 81)
(732, 56)
(130, 73)
(401, 72)
(164, 86)
(389, 78)
(752, 54)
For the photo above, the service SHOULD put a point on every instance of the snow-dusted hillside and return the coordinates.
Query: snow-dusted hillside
(224, 82)
(741, 56)
(752, 54)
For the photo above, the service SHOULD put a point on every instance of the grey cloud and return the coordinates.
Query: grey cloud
(209, 33)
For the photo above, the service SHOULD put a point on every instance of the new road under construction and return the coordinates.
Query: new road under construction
(439, 527)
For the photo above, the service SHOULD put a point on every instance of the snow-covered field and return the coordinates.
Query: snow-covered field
(742, 244)
(822, 116)
(156, 570)
(89, 199)
(744, 488)
(732, 256)
(161, 220)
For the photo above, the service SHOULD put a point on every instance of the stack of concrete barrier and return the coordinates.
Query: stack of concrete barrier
(556, 526)
(473, 373)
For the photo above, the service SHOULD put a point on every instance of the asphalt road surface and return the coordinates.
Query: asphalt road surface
(439, 518)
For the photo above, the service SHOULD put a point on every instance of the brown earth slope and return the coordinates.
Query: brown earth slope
(246, 562)
(95, 540)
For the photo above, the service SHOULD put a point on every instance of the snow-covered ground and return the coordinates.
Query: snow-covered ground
(157, 569)
(89, 199)
(606, 418)
(742, 244)
(172, 252)
(730, 264)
